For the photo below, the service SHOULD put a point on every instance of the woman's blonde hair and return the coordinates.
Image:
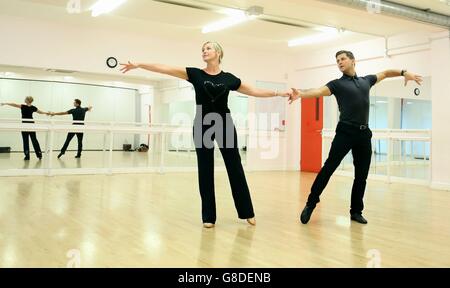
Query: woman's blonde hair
(217, 47)
(29, 99)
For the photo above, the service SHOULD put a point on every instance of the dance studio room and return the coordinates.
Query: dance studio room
(224, 133)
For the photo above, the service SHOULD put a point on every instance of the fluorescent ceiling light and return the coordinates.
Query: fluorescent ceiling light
(235, 17)
(330, 30)
(327, 33)
(233, 12)
(105, 6)
(382, 101)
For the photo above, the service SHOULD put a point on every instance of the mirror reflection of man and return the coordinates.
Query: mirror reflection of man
(78, 114)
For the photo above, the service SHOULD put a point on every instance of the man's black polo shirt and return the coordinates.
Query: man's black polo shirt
(352, 95)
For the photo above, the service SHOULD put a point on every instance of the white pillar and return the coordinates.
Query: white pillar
(146, 97)
(394, 119)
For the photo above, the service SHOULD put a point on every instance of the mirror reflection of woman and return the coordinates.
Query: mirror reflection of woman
(212, 87)
(27, 111)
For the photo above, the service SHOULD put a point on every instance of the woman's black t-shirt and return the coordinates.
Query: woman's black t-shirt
(211, 91)
(27, 112)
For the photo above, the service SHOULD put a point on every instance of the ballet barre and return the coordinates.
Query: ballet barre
(109, 129)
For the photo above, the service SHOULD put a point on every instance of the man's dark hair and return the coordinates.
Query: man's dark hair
(348, 53)
(78, 101)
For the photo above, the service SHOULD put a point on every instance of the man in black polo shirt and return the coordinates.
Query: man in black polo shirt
(352, 131)
(78, 114)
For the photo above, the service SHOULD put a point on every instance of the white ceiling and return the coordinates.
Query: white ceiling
(184, 24)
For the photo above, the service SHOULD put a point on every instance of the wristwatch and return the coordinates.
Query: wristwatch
(403, 73)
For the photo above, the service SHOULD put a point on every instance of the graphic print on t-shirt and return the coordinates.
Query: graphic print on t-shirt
(214, 91)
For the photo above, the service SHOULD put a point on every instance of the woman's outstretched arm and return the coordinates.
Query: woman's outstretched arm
(11, 104)
(257, 92)
(178, 72)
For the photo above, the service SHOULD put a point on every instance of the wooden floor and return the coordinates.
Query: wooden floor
(153, 220)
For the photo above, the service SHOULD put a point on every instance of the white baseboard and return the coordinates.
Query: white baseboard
(440, 185)
(392, 179)
(262, 168)
(78, 171)
(22, 172)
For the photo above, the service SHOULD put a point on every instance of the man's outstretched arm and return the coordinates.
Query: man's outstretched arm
(397, 73)
(309, 93)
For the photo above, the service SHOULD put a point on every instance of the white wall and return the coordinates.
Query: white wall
(440, 66)
(81, 48)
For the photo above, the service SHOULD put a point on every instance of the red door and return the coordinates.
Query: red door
(311, 141)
